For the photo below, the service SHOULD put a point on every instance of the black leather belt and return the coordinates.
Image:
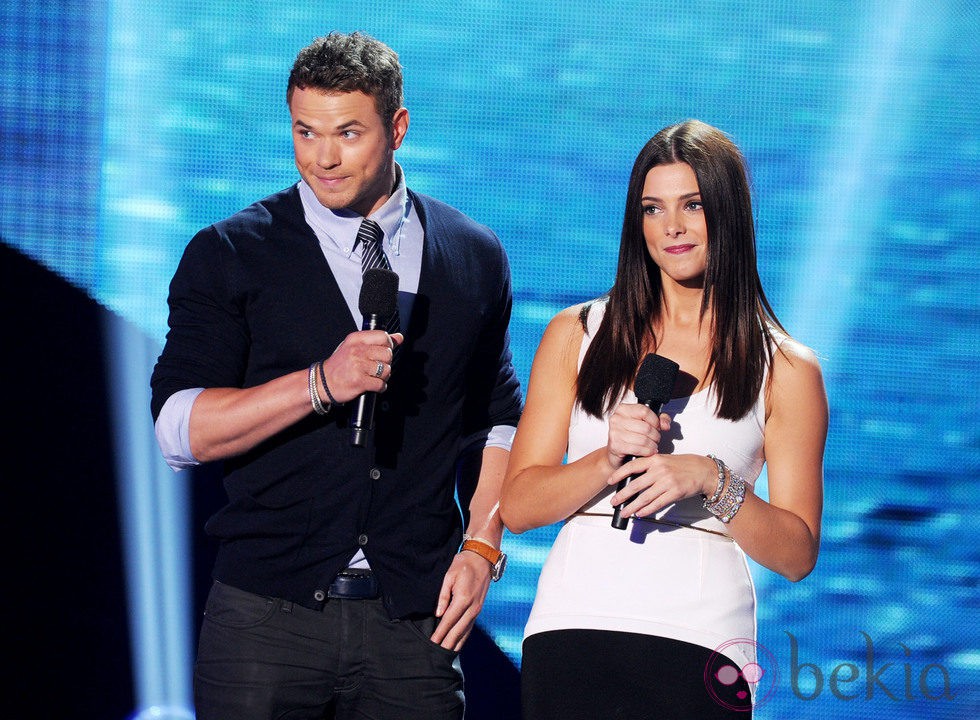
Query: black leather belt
(354, 585)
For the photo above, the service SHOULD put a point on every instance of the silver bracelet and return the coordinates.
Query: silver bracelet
(739, 492)
(732, 500)
(721, 483)
(314, 395)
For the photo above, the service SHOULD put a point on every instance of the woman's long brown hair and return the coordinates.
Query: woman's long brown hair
(741, 339)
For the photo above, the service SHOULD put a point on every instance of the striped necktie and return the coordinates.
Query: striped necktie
(370, 236)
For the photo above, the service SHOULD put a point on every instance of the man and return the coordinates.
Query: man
(340, 586)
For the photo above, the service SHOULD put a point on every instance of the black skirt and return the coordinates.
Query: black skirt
(602, 675)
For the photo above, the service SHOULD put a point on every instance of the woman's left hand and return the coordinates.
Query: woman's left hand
(661, 480)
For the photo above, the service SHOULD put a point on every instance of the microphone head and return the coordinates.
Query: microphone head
(379, 292)
(655, 380)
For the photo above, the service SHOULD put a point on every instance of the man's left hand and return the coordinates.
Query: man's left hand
(463, 591)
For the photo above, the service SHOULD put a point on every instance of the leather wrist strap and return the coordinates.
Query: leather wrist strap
(485, 550)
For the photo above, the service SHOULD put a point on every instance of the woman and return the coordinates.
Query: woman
(626, 623)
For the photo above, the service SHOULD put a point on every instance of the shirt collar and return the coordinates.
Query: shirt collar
(340, 226)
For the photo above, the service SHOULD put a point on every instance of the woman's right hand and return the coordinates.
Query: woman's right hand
(635, 430)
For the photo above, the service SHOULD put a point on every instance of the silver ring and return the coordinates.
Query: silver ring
(380, 370)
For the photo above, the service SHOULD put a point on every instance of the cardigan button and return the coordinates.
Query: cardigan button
(375, 473)
(362, 539)
(319, 596)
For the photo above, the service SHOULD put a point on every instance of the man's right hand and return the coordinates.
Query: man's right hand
(360, 364)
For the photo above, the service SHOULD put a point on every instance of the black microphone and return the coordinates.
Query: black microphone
(654, 385)
(377, 302)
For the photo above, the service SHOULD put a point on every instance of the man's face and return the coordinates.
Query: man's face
(342, 149)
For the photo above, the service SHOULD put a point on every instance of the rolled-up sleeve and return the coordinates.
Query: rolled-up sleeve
(172, 429)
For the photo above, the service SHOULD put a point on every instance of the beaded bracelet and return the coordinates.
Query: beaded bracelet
(726, 501)
(323, 381)
(739, 491)
(721, 483)
(314, 395)
(731, 501)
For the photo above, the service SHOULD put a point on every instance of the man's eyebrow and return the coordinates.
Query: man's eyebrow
(351, 123)
(342, 126)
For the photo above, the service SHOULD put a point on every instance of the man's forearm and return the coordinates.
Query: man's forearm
(483, 517)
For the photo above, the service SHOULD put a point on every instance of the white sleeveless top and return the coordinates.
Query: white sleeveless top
(655, 578)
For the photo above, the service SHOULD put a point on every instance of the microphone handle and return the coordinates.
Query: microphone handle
(362, 419)
(618, 521)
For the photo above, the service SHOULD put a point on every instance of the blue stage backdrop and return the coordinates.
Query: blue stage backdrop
(126, 126)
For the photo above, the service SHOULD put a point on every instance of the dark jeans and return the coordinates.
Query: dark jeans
(263, 658)
(602, 675)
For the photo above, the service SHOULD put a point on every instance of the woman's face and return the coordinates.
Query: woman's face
(674, 227)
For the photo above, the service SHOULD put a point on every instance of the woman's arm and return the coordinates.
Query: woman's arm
(784, 534)
(538, 488)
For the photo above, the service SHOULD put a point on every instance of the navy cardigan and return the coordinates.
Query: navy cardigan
(252, 299)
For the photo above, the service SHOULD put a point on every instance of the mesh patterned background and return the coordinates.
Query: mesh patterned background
(126, 126)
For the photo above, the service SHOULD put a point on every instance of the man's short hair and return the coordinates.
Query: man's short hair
(350, 63)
